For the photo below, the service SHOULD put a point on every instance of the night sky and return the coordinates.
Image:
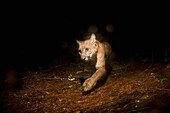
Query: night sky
(33, 37)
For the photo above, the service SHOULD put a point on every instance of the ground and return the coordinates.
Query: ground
(137, 85)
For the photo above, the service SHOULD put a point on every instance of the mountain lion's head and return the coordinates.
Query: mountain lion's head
(87, 48)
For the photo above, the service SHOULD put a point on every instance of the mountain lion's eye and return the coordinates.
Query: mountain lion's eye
(79, 51)
(87, 49)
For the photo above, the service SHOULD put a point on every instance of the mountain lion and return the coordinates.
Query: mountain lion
(93, 49)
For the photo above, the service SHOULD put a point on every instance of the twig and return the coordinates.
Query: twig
(55, 78)
(139, 109)
(58, 78)
(162, 89)
(149, 65)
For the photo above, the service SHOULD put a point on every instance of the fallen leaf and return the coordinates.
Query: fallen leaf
(71, 79)
(70, 86)
(70, 75)
(47, 93)
(86, 70)
(79, 72)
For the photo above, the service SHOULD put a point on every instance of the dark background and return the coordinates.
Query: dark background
(32, 36)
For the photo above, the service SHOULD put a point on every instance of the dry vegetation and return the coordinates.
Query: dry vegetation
(130, 87)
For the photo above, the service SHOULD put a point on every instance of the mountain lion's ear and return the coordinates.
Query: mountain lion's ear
(93, 38)
(78, 42)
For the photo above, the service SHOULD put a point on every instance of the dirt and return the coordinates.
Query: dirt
(133, 86)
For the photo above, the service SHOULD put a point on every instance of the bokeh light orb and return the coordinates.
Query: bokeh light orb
(109, 28)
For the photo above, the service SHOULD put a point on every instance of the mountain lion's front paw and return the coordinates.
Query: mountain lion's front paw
(89, 84)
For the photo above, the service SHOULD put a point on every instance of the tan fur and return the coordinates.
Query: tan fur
(98, 50)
